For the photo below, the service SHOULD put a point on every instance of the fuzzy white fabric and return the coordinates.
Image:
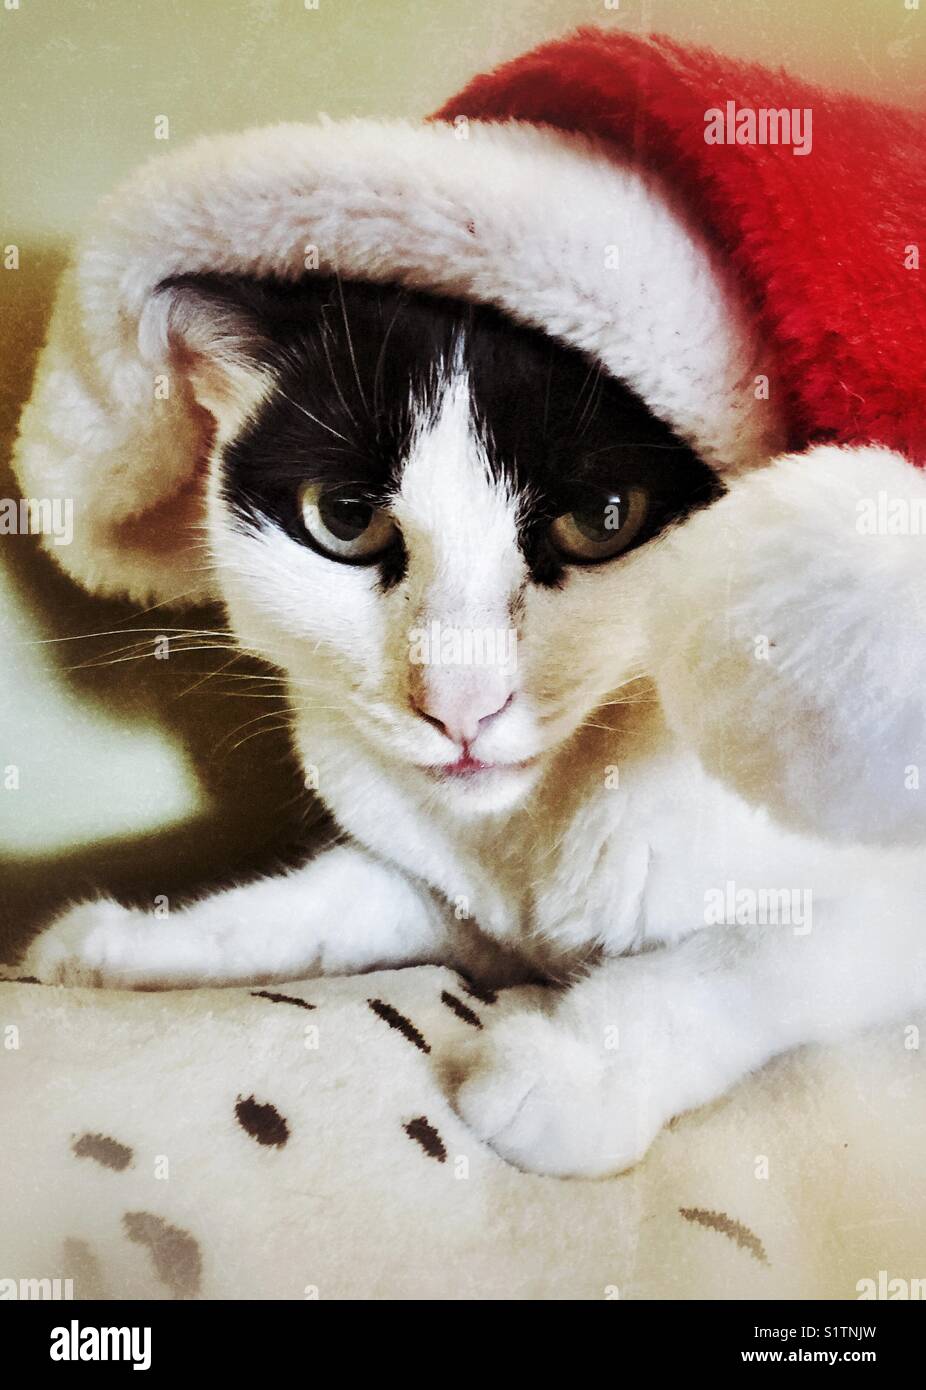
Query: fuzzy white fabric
(550, 228)
(807, 629)
(802, 1182)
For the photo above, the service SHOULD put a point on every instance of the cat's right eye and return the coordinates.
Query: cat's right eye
(344, 526)
(601, 527)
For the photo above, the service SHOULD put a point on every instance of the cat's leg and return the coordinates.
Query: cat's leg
(585, 1091)
(342, 913)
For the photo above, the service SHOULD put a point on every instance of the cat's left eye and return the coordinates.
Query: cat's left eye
(601, 527)
(344, 526)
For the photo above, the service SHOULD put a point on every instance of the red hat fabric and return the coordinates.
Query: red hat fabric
(830, 240)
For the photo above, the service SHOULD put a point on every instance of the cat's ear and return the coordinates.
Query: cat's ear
(212, 330)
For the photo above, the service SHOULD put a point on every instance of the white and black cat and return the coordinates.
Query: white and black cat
(464, 545)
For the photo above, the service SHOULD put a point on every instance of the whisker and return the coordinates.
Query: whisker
(350, 343)
(141, 656)
(122, 632)
(314, 418)
(276, 729)
(381, 359)
(334, 376)
(632, 444)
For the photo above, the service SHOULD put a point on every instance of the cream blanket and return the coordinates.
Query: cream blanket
(297, 1142)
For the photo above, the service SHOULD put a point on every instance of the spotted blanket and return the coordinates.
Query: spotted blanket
(297, 1142)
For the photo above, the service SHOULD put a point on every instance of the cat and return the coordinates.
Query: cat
(466, 546)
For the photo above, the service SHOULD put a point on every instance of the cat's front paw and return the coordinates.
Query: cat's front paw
(88, 946)
(550, 1102)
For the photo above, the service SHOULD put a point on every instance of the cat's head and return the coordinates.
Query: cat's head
(429, 518)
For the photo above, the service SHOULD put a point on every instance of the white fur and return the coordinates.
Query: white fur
(560, 867)
(462, 529)
(795, 661)
(646, 741)
(518, 216)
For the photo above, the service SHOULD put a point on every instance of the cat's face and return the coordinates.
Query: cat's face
(430, 520)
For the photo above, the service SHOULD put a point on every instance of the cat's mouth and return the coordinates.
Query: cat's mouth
(468, 767)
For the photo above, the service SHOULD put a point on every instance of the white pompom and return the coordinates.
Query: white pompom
(789, 641)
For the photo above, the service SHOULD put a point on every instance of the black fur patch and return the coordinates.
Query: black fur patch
(356, 363)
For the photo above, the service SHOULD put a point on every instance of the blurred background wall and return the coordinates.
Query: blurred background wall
(138, 777)
(84, 79)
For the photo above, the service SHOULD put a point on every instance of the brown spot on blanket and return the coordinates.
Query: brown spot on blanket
(735, 1230)
(81, 1265)
(262, 1121)
(461, 1010)
(424, 1133)
(281, 998)
(399, 1022)
(480, 992)
(176, 1257)
(108, 1152)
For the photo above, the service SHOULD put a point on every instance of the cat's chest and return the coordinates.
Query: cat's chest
(538, 884)
(548, 883)
(546, 886)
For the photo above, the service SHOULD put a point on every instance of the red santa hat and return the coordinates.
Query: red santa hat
(615, 192)
(817, 199)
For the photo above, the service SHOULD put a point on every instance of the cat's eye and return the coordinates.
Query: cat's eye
(601, 527)
(345, 526)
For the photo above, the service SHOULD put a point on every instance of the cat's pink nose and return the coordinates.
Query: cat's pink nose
(461, 714)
